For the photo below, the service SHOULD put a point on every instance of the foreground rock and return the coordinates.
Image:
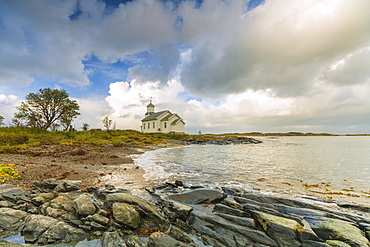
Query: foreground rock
(238, 218)
(58, 212)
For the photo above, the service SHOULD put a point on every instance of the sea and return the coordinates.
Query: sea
(330, 168)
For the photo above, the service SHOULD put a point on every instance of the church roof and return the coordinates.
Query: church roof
(150, 105)
(153, 116)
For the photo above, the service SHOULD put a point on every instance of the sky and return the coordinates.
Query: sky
(222, 65)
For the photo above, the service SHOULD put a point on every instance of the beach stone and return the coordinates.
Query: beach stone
(84, 205)
(13, 193)
(43, 198)
(98, 218)
(160, 239)
(212, 225)
(126, 214)
(101, 193)
(229, 201)
(198, 196)
(68, 185)
(64, 202)
(134, 241)
(112, 239)
(4, 243)
(61, 232)
(35, 226)
(150, 218)
(333, 229)
(221, 208)
(11, 219)
(179, 210)
(179, 235)
(336, 243)
(285, 232)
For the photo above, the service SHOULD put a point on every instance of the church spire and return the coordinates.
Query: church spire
(149, 108)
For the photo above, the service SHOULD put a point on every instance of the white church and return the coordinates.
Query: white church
(162, 122)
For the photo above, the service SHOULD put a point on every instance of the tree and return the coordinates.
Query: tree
(107, 123)
(85, 127)
(46, 107)
(1, 120)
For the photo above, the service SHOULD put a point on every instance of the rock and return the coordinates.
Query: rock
(126, 214)
(112, 239)
(64, 202)
(198, 196)
(229, 201)
(150, 218)
(179, 210)
(68, 185)
(285, 232)
(221, 208)
(134, 241)
(180, 235)
(232, 234)
(101, 193)
(84, 205)
(43, 229)
(4, 243)
(333, 229)
(10, 219)
(336, 243)
(61, 232)
(100, 219)
(13, 193)
(43, 198)
(160, 239)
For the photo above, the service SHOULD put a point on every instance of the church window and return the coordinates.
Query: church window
(148, 125)
(153, 125)
(165, 125)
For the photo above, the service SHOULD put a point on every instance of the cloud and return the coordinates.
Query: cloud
(271, 47)
(7, 106)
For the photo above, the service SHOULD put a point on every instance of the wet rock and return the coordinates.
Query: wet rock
(43, 198)
(285, 232)
(4, 243)
(149, 215)
(198, 196)
(180, 235)
(101, 193)
(160, 239)
(43, 229)
(13, 193)
(333, 229)
(84, 205)
(98, 218)
(67, 186)
(175, 209)
(64, 202)
(232, 234)
(112, 239)
(11, 219)
(126, 214)
(134, 241)
(221, 208)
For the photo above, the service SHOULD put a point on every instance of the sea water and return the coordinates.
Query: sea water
(329, 167)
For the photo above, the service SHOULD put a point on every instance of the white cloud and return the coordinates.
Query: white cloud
(8, 105)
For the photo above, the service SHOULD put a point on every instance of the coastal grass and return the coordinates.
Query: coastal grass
(16, 138)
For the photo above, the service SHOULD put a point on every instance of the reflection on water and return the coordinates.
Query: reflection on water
(330, 167)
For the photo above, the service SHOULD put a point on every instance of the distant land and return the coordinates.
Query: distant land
(291, 134)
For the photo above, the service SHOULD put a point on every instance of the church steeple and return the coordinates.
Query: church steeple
(149, 108)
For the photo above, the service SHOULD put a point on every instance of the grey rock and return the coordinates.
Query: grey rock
(39, 228)
(84, 205)
(150, 218)
(134, 241)
(68, 185)
(179, 235)
(4, 243)
(221, 208)
(336, 243)
(112, 239)
(160, 239)
(99, 219)
(11, 219)
(178, 209)
(13, 193)
(64, 202)
(126, 214)
(284, 231)
(101, 193)
(198, 196)
(333, 229)
(97, 226)
(211, 224)
(43, 198)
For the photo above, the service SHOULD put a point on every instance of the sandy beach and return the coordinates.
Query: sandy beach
(94, 165)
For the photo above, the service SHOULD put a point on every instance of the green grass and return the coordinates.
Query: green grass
(15, 138)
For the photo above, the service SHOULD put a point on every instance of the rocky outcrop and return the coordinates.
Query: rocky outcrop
(50, 215)
(229, 140)
(254, 219)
